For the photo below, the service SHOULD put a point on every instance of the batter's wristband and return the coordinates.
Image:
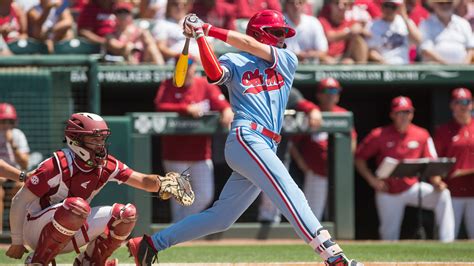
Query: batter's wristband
(216, 32)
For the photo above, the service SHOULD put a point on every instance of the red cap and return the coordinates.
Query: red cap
(123, 6)
(330, 83)
(402, 103)
(461, 94)
(7, 112)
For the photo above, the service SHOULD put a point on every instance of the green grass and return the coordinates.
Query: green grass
(363, 251)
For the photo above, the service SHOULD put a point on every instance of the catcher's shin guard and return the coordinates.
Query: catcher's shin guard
(142, 250)
(67, 220)
(330, 251)
(118, 229)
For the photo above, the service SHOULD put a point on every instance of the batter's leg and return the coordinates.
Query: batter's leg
(237, 195)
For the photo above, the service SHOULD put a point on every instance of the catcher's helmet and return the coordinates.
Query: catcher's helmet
(87, 124)
(268, 19)
(7, 112)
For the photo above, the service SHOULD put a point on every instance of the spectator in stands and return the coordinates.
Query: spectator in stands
(447, 38)
(153, 9)
(392, 35)
(76, 7)
(97, 20)
(196, 98)
(456, 139)
(310, 151)
(268, 213)
(26, 5)
(345, 38)
(12, 21)
(247, 8)
(50, 21)
(168, 32)
(403, 140)
(416, 11)
(4, 50)
(362, 11)
(218, 13)
(309, 44)
(465, 9)
(14, 150)
(130, 41)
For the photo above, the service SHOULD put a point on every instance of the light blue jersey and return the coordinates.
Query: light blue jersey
(259, 90)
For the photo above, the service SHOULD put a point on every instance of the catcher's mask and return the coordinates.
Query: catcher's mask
(263, 23)
(80, 125)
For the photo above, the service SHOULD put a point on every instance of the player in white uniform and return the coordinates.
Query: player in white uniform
(259, 79)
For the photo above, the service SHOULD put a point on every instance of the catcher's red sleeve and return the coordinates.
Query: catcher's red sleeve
(209, 60)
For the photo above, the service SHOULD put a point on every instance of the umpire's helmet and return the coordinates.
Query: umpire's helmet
(87, 124)
(263, 21)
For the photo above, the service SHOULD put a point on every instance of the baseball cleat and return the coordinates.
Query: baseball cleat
(142, 251)
(341, 260)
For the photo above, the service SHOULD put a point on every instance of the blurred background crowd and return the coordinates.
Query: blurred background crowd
(328, 32)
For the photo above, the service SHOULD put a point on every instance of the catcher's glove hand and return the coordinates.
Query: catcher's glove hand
(178, 186)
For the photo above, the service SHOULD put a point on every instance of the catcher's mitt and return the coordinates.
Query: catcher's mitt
(178, 186)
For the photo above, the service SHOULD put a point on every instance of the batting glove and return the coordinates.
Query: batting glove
(196, 24)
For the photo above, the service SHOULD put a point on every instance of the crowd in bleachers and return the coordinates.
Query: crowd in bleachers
(328, 32)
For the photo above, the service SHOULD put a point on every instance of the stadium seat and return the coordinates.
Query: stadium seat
(28, 46)
(76, 46)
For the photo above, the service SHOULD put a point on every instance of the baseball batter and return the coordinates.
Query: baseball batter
(51, 212)
(259, 80)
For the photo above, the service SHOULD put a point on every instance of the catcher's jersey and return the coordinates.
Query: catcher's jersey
(259, 90)
(61, 176)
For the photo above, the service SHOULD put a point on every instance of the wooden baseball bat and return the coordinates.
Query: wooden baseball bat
(181, 68)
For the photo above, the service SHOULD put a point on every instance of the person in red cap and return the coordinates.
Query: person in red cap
(14, 150)
(403, 140)
(135, 44)
(192, 153)
(310, 151)
(456, 139)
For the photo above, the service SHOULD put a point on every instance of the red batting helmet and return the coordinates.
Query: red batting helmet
(264, 20)
(7, 112)
(87, 124)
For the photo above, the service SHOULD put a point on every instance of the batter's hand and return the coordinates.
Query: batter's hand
(16, 251)
(194, 24)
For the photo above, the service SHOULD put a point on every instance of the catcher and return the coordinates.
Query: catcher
(51, 213)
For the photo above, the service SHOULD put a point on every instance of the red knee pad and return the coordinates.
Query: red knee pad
(123, 220)
(67, 220)
(118, 229)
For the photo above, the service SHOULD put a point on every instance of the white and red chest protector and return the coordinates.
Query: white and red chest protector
(63, 175)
